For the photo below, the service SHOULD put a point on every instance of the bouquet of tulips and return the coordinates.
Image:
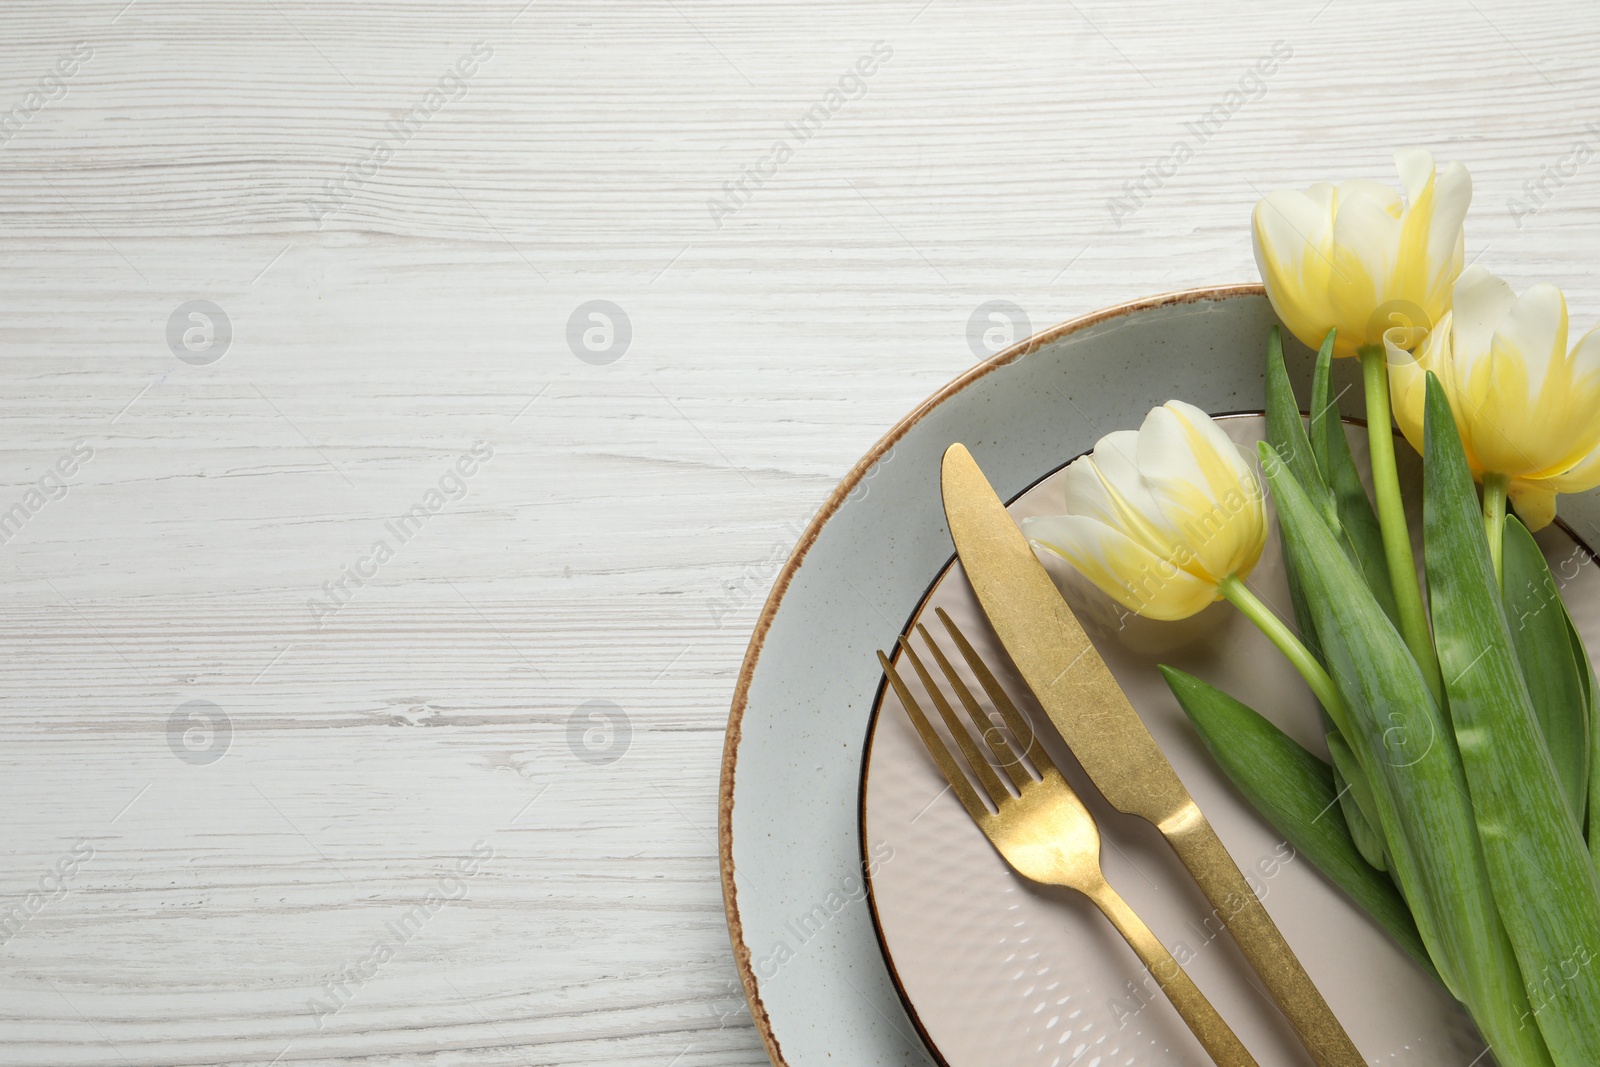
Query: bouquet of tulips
(1460, 724)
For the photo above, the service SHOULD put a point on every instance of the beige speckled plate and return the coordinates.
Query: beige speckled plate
(1000, 972)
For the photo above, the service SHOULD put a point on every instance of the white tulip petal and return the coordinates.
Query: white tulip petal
(1209, 493)
(1166, 456)
(1182, 477)
(1481, 301)
(1433, 353)
(1108, 486)
(1534, 332)
(1325, 197)
(1535, 504)
(1290, 229)
(1085, 491)
(1068, 536)
(1363, 229)
(1586, 360)
(1416, 168)
(1408, 377)
(1289, 218)
(1291, 233)
(1580, 478)
(1366, 243)
(1215, 437)
(1374, 193)
(1116, 464)
(1452, 195)
(1129, 573)
(1181, 445)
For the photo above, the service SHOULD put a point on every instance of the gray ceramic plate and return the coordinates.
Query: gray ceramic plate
(790, 829)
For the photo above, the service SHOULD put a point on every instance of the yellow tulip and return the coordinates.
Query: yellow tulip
(1527, 407)
(1160, 518)
(1357, 257)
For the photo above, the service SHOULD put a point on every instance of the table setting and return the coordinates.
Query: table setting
(1398, 769)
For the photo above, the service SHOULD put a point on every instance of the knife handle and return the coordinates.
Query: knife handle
(1236, 904)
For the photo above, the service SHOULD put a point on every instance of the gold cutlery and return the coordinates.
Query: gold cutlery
(1042, 830)
(1080, 696)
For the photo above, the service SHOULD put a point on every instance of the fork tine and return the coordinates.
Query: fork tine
(1020, 727)
(935, 746)
(975, 758)
(1003, 753)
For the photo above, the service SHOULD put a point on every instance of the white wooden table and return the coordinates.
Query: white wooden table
(294, 798)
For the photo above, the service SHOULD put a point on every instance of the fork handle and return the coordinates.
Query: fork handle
(1218, 1039)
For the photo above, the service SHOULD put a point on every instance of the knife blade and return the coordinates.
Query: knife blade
(1084, 702)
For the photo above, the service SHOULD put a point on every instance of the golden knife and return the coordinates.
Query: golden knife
(1076, 689)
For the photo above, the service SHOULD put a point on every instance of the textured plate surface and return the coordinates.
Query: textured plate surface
(790, 840)
(1000, 972)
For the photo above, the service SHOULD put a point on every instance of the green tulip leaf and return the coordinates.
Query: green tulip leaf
(1294, 791)
(1591, 694)
(1355, 801)
(1539, 633)
(1287, 434)
(1287, 430)
(1399, 735)
(1591, 700)
(1538, 865)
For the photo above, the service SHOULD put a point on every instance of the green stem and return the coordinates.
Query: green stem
(1392, 518)
(1494, 515)
(1239, 595)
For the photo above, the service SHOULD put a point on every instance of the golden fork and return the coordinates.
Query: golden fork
(1043, 831)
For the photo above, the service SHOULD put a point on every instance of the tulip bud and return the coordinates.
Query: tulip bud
(1359, 258)
(1526, 407)
(1158, 518)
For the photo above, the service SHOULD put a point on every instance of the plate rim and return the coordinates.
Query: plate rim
(830, 507)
